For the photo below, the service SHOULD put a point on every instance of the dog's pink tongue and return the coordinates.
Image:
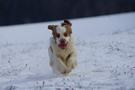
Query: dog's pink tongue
(62, 46)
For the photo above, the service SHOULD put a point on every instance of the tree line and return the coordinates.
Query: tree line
(30, 11)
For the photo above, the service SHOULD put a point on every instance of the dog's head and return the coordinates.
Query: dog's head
(61, 33)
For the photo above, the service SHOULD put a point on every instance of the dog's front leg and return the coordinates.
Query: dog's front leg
(60, 66)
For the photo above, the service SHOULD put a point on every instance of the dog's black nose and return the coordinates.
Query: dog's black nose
(62, 41)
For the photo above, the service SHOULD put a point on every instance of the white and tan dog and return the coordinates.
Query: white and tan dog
(62, 51)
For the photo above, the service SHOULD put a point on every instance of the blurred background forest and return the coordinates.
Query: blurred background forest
(31, 11)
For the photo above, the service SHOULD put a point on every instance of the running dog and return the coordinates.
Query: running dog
(62, 51)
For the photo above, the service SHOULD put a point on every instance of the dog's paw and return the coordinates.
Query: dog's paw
(66, 72)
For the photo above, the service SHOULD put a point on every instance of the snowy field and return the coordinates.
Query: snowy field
(106, 55)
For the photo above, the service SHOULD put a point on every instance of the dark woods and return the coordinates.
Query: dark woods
(29, 11)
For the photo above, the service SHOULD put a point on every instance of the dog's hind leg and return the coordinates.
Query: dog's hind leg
(72, 61)
(50, 52)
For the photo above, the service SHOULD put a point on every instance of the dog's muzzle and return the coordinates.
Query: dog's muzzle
(62, 44)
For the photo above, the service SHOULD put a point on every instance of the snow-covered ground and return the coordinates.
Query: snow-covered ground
(106, 55)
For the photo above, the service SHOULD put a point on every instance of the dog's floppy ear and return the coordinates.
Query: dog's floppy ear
(68, 22)
(52, 27)
(62, 24)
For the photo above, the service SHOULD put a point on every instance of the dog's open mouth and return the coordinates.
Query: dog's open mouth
(62, 45)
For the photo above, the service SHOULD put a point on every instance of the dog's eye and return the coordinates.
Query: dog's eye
(58, 35)
(65, 34)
